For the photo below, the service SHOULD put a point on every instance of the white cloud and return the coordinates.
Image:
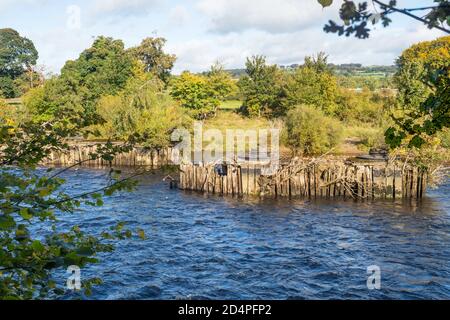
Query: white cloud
(57, 46)
(6, 4)
(179, 16)
(384, 46)
(284, 32)
(124, 7)
(267, 15)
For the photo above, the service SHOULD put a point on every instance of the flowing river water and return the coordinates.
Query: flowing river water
(211, 247)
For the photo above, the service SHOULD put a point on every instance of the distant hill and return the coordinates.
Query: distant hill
(355, 69)
(349, 69)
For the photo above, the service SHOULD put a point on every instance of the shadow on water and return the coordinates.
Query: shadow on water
(216, 247)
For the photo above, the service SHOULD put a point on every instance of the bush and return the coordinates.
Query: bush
(358, 108)
(309, 131)
(444, 137)
(12, 114)
(7, 88)
(370, 137)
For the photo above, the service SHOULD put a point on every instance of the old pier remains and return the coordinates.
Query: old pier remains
(323, 177)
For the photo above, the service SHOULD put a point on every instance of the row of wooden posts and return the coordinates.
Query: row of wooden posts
(330, 179)
(137, 157)
(324, 178)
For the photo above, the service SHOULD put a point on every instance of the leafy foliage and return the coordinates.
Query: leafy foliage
(62, 109)
(8, 88)
(142, 108)
(312, 84)
(150, 52)
(309, 131)
(17, 57)
(221, 82)
(272, 92)
(29, 196)
(102, 69)
(262, 88)
(362, 107)
(357, 17)
(201, 94)
(423, 106)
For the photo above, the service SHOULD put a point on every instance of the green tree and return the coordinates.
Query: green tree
(142, 108)
(151, 53)
(262, 88)
(357, 18)
(198, 93)
(64, 108)
(423, 104)
(103, 69)
(365, 107)
(312, 84)
(221, 82)
(17, 57)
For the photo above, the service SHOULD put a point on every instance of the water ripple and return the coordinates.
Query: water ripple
(201, 247)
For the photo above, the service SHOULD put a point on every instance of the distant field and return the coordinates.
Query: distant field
(230, 105)
(228, 119)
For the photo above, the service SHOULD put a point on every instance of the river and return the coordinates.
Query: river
(211, 247)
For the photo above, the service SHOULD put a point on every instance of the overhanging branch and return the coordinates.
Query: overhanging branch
(409, 14)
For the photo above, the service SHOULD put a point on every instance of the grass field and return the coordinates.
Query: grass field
(356, 140)
(17, 101)
(230, 105)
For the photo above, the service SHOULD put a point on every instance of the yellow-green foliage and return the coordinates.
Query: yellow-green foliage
(444, 137)
(369, 137)
(261, 88)
(307, 85)
(415, 64)
(357, 108)
(201, 95)
(142, 108)
(230, 105)
(230, 120)
(12, 114)
(423, 81)
(310, 131)
(195, 93)
(227, 119)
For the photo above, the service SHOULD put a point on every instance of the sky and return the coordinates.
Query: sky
(201, 32)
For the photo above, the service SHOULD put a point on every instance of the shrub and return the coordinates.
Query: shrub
(444, 137)
(261, 88)
(12, 114)
(370, 137)
(309, 131)
(357, 108)
(7, 88)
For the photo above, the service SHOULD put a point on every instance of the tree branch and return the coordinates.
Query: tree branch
(407, 13)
